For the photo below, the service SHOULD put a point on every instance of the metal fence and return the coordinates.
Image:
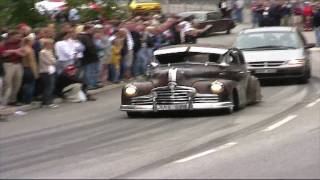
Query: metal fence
(176, 6)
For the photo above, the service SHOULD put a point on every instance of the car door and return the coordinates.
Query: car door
(238, 71)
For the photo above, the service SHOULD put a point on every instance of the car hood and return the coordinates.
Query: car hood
(273, 55)
(186, 75)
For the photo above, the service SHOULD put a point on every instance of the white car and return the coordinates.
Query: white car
(275, 52)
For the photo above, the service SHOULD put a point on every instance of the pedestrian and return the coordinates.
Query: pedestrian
(47, 62)
(30, 71)
(90, 59)
(238, 10)
(316, 24)
(13, 56)
(307, 16)
(127, 54)
(117, 46)
(223, 8)
(286, 14)
(64, 52)
(2, 41)
(297, 14)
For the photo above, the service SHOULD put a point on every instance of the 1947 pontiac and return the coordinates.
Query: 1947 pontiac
(192, 77)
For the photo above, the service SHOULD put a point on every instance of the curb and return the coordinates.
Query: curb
(37, 105)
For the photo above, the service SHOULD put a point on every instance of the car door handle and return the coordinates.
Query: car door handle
(241, 72)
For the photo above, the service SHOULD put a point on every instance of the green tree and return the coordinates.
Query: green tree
(13, 12)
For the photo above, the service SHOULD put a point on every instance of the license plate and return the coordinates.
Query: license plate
(265, 71)
(172, 107)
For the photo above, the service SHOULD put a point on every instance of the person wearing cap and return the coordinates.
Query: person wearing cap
(47, 62)
(13, 56)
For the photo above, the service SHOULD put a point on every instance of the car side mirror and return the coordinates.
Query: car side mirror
(309, 45)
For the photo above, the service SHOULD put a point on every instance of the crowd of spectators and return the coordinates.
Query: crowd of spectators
(68, 59)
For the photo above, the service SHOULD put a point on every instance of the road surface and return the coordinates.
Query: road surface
(278, 138)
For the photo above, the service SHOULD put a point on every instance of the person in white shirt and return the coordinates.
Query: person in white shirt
(67, 51)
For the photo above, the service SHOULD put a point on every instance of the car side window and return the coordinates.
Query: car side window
(213, 16)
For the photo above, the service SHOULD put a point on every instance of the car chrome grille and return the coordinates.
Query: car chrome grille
(266, 64)
(177, 95)
(142, 100)
(206, 98)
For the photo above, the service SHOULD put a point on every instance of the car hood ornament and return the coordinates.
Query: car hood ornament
(172, 78)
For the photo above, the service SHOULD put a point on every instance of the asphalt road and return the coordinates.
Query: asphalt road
(278, 138)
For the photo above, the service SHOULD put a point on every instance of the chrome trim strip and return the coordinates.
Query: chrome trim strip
(194, 106)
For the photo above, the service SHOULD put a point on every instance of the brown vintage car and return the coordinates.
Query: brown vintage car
(211, 19)
(192, 77)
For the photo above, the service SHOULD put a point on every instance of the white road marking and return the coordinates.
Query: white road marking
(313, 103)
(225, 146)
(280, 123)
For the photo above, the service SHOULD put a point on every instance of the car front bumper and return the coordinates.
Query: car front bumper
(278, 73)
(194, 106)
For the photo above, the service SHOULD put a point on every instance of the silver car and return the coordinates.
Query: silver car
(275, 52)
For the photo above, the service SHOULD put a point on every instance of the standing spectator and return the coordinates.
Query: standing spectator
(117, 46)
(297, 14)
(107, 54)
(316, 24)
(127, 54)
(74, 16)
(275, 13)
(223, 6)
(102, 44)
(286, 14)
(64, 52)
(90, 60)
(47, 72)
(136, 37)
(1, 71)
(256, 13)
(307, 16)
(238, 10)
(30, 71)
(13, 54)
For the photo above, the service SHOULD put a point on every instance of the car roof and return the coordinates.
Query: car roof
(200, 48)
(269, 29)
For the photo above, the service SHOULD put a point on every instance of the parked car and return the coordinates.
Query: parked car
(276, 52)
(192, 77)
(214, 18)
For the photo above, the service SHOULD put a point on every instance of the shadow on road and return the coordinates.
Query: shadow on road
(281, 82)
(184, 114)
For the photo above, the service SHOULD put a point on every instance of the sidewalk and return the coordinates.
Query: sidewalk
(37, 105)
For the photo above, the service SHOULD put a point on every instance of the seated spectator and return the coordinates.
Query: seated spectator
(69, 85)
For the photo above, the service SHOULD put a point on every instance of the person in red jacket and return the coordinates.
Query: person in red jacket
(307, 14)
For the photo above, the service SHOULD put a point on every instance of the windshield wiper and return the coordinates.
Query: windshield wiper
(269, 47)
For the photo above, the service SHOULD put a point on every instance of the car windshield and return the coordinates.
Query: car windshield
(197, 16)
(268, 40)
(188, 58)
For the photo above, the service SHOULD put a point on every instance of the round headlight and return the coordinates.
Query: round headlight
(217, 87)
(131, 90)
